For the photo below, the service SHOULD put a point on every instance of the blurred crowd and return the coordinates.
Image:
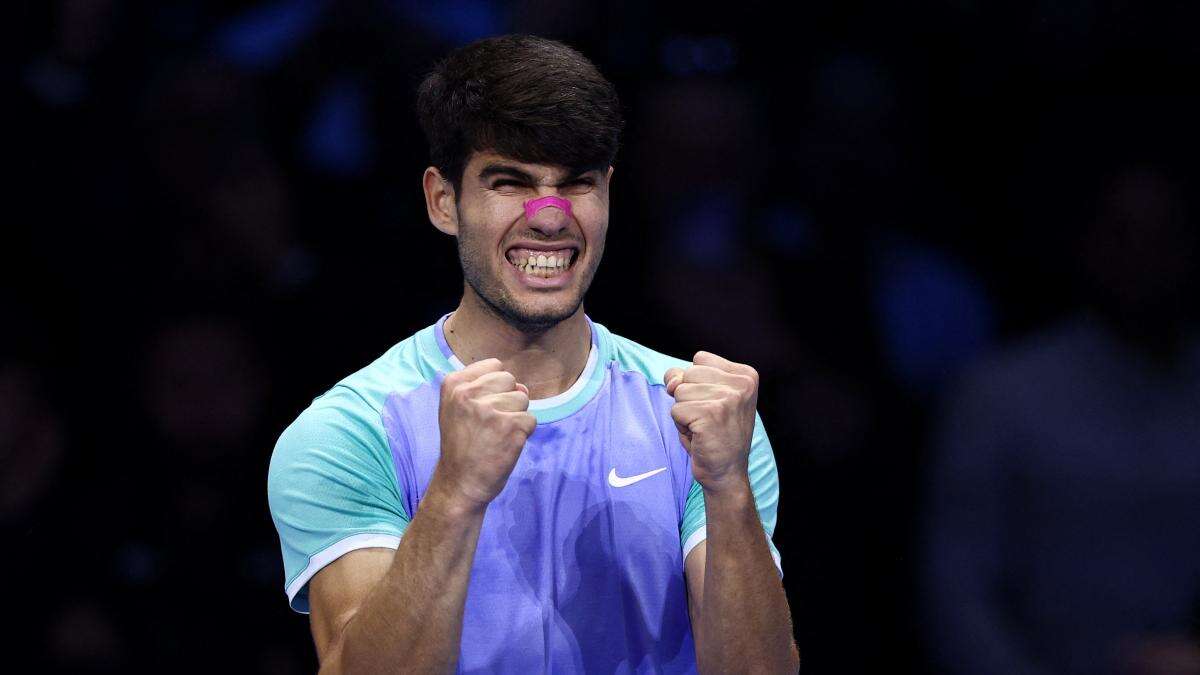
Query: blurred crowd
(958, 241)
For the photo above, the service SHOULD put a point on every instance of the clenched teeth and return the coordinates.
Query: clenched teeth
(541, 263)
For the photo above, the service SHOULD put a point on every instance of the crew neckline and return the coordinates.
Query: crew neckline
(554, 407)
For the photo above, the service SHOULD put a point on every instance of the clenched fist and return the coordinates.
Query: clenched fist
(484, 421)
(714, 411)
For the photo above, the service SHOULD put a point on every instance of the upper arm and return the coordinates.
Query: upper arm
(764, 483)
(332, 490)
(693, 572)
(339, 589)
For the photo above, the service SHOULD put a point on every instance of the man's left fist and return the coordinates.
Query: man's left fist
(714, 411)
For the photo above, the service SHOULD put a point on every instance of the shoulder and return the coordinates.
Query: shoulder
(405, 366)
(631, 356)
(345, 421)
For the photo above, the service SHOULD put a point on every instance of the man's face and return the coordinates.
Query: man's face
(535, 271)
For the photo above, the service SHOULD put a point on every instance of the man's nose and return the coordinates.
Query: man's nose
(548, 215)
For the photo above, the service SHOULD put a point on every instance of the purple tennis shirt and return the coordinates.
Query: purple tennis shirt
(579, 565)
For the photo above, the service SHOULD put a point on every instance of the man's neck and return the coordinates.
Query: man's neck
(548, 361)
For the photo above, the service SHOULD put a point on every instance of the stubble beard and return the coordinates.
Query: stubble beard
(473, 258)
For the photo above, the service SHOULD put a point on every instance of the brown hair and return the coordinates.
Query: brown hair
(525, 97)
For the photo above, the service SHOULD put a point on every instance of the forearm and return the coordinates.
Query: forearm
(744, 621)
(414, 615)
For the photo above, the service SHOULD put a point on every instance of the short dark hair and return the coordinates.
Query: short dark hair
(525, 97)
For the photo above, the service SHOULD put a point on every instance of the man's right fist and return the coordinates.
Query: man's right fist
(484, 421)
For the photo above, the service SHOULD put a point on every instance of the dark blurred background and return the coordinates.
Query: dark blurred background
(956, 238)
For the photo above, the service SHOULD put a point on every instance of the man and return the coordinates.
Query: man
(516, 489)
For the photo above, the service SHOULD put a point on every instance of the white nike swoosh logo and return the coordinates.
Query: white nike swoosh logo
(617, 481)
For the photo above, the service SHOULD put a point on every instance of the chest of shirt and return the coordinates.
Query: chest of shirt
(620, 451)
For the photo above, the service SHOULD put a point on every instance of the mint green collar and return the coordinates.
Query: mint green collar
(437, 353)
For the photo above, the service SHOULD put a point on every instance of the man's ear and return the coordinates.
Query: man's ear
(440, 201)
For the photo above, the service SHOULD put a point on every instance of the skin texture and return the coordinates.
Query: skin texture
(740, 616)
(490, 219)
(373, 609)
(539, 334)
(369, 615)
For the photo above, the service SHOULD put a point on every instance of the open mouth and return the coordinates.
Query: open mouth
(539, 263)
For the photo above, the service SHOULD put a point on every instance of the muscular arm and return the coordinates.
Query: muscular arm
(372, 609)
(740, 616)
(369, 615)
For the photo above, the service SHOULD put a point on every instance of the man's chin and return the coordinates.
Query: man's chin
(528, 310)
(536, 317)
(540, 319)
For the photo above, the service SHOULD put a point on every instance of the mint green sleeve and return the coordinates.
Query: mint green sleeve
(764, 482)
(332, 489)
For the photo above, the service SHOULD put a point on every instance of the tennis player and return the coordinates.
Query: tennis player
(516, 489)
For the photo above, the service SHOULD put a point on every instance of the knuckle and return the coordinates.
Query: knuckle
(463, 393)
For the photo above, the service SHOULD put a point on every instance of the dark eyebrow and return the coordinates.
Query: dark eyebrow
(504, 170)
(513, 172)
(578, 176)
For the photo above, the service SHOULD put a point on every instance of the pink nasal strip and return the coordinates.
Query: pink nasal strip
(534, 205)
